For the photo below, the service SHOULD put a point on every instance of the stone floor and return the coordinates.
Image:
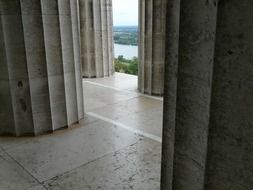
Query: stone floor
(117, 146)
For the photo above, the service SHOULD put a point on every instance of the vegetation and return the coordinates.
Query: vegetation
(126, 35)
(123, 65)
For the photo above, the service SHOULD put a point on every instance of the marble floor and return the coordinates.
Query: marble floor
(116, 147)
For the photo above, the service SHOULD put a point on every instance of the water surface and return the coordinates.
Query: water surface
(127, 51)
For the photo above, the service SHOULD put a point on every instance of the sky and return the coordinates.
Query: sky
(125, 12)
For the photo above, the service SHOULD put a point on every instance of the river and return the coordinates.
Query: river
(127, 51)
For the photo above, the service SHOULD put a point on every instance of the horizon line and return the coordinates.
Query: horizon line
(124, 25)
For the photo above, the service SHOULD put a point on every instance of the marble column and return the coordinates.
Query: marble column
(41, 90)
(207, 135)
(97, 52)
(188, 93)
(151, 46)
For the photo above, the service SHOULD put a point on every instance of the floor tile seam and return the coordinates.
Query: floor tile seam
(131, 129)
(110, 87)
(120, 120)
(10, 147)
(136, 96)
(90, 162)
(126, 90)
(130, 113)
(36, 186)
(42, 183)
(23, 167)
(111, 104)
(121, 101)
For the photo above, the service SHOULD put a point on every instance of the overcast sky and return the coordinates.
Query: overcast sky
(125, 12)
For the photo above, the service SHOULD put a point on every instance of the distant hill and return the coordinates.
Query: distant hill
(126, 35)
(125, 28)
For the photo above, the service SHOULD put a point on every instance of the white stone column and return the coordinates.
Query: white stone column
(38, 54)
(77, 55)
(151, 46)
(96, 38)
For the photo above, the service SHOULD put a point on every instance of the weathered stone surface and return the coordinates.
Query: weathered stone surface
(97, 53)
(230, 144)
(40, 57)
(170, 92)
(208, 97)
(13, 176)
(151, 46)
(134, 167)
(196, 50)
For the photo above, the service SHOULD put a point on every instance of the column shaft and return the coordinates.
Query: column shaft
(151, 46)
(230, 144)
(196, 50)
(68, 60)
(77, 54)
(6, 109)
(38, 53)
(170, 92)
(16, 62)
(87, 38)
(187, 121)
(211, 121)
(96, 38)
(36, 65)
(52, 37)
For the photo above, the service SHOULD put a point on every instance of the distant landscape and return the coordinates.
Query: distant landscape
(126, 35)
(127, 38)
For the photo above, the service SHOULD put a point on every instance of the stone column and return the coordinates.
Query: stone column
(42, 79)
(230, 144)
(210, 116)
(87, 38)
(151, 46)
(110, 43)
(77, 55)
(186, 117)
(96, 38)
(170, 92)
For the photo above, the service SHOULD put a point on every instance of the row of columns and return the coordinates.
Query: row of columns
(208, 107)
(41, 87)
(96, 38)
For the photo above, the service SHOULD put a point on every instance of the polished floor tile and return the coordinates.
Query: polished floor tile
(111, 148)
(12, 175)
(119, 81)
(52, 155)
(134, 110)
(134, 167)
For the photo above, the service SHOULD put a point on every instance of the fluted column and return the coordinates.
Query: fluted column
(96, 38)
(170, 92)
(38, 53)
(151, 46)
(207, 135)
(74, 4)
(188, 93)
(230, 142)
